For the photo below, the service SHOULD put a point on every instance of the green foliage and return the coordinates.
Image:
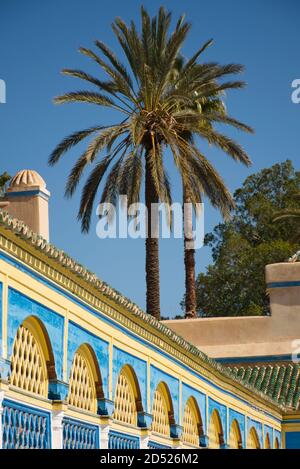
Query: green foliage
(291, 213)
(235, 284)
(4, 178)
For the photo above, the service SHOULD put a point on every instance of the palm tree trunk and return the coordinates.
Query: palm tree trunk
(189, 259)
(152, 246)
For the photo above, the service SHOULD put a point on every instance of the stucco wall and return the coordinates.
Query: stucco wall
(252, 336)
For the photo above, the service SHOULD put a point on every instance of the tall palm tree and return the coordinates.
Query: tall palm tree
(219, 195)
(147, 99)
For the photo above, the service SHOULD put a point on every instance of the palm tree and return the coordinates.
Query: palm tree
(147, 98)
(289, 214)
(218, 194)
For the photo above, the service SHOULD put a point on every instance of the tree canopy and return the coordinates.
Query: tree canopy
(4, 178)
(234, 285)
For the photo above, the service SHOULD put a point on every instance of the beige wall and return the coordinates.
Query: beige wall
(252, 336)
(32, 210)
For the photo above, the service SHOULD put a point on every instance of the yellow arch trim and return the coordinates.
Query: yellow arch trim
(129, 372)
(235, 437)
(39, 331)
(194, 405)
(192, 422)
(88, 353)
(164, 390)
(215, 430)
(84, 395)
(253, 441)
(127, 397)
(163, 415)
(267, 441)
(41, 341)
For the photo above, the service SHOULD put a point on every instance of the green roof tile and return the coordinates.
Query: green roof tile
(279, 381)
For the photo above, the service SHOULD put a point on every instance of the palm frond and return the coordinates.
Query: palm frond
(89, 193)
(67, 143)
(193, 60)
(167, 101)
(226, 144)
(120, 68)
(86, 97)
(108, 86)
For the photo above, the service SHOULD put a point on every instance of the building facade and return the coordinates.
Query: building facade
(81, 366)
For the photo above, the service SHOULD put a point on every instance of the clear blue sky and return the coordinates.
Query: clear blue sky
(39, 38)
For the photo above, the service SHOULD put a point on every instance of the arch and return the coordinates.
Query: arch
(85, 384)
(162, 410)
(32, 360)
(253, 440)
(235, 436)
(215, 431)
(24, 307)
(276, 444)
(267, 441)
(127, 402)
(192, 423)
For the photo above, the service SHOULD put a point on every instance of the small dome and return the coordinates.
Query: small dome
(27, 178)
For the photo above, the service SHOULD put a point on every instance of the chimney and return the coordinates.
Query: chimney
(27, 199)
(283, 285)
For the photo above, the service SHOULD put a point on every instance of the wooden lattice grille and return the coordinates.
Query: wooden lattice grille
(214, 436)
(28, 366)
(190, 434)
(82, 389)
(160, 415)
(253, 442)
(234, 436)
(267, 442)
(125, 405)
